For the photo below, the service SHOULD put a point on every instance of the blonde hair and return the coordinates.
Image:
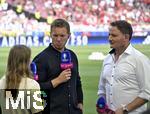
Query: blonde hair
(17, 67)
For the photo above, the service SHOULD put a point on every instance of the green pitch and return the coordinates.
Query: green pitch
(89, 69)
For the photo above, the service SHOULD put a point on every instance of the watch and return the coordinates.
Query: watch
(125, 110)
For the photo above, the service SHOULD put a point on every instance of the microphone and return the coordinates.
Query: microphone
(66, 60)
(34, 70)
(102, 107)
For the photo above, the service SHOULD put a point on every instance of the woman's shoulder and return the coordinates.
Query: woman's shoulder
(30, 83)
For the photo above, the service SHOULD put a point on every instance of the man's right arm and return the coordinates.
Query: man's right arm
(42, 72)
(101, 86)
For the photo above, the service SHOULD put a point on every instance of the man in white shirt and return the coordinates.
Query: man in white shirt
(125, 76)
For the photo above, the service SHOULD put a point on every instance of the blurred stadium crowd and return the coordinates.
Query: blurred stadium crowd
(83, 15)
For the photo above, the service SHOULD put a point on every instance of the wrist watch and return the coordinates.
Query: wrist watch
(125, 110)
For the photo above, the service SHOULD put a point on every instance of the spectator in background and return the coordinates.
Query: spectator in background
(124, 80)
(18, 78)
(85, 15)
(63, 87)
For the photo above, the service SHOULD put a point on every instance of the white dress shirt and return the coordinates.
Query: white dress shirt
(124, 80)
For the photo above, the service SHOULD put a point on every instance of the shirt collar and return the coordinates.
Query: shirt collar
(127, 51)
(50, 46)
(112, 51)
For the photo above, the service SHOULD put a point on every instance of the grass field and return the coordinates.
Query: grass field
(89, 70)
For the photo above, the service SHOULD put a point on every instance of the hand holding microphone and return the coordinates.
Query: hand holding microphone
(65, 75)
(66, 66)
(66, 60)
(102, 107)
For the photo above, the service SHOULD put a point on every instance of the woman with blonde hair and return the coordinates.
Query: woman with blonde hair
(18, 89)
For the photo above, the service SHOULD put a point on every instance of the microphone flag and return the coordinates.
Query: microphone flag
(66, 60)
(34, 70)
(102, 107)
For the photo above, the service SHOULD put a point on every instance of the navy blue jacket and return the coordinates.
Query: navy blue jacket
(64, 98)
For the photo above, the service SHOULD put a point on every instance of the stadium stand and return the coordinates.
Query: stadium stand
(89, 12)
(29, 16)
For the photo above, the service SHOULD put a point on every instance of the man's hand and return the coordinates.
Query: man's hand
(80, 106)
(119, 111)
(108, 111)
(64, 76)
(100, 112)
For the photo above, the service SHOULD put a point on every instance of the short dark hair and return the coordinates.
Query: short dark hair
(61, 23)
(124, 27)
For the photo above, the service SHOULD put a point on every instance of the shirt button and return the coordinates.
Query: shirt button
(69, 95)
(69, 105)
(110, 84)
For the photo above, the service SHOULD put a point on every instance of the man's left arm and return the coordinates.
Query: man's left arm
(137, 102)
(79, 93)
(143, 78)
(79, 86)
